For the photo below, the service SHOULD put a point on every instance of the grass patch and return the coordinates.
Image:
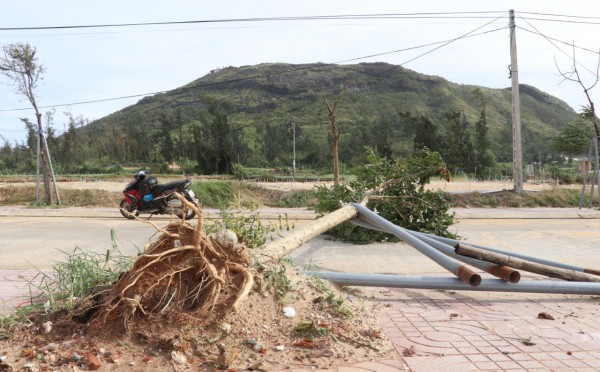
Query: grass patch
(330, 302)
(214, 194)
(277, 282)
(555, 198)
(25, 195)
(296, 199)
(221, 194)
(80, 275)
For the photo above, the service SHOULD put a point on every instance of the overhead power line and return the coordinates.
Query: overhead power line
(552, 42)
(560, 15)
(572, 45)
(457, 15)
(562, 20)
(253, 77)
(306, 104)
(371, 77)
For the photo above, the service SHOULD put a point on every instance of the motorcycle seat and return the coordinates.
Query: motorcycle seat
(160, 188)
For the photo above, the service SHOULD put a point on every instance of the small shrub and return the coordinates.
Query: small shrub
(277, 282)
(246, 224)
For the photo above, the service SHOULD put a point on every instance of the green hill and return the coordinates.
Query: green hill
(261, 102)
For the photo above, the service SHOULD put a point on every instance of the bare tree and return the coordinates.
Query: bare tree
(20, 65)
(589, 113)
(574, 76)
(335, 132)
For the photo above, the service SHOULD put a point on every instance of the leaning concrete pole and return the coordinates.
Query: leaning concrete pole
(516, 114)
(294, 240)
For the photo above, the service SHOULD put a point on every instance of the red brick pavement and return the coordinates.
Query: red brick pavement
(466, 331)
(15, 288)
(458, 331)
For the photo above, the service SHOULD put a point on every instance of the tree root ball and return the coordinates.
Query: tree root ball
(184, 273)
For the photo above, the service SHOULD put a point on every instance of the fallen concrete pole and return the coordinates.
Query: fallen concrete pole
(508, 274)
(455, 284)
(503, 272)
(542, 261)
(517, 263)
(465, 274)
(300, 236)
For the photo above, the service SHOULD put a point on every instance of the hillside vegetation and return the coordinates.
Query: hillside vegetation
(247, 115)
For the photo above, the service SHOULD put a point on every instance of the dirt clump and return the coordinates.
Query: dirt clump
(205, 303)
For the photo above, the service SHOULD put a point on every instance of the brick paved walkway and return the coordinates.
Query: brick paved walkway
(463, 331)
(15, 288)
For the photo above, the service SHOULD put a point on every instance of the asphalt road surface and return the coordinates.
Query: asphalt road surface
(37, 238)
(31, 238)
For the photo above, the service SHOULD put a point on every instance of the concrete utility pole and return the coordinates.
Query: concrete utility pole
(294, 150)
(516, 114)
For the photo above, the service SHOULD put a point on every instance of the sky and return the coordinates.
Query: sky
(105, 63)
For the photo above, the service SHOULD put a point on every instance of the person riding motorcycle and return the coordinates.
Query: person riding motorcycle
(144, 195)
(144, 185)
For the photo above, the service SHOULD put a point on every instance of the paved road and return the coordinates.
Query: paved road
(34, 238)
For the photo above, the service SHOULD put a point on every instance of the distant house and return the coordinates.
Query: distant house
(174, 166)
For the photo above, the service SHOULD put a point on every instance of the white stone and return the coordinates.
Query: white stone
(31, 367)
(178, 358)
(289, 312)
(226, 327)
(47, 327)
(279, 347)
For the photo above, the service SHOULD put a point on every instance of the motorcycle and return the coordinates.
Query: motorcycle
(145, 195)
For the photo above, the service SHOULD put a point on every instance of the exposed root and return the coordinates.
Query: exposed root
(183, 271)
(148, 222)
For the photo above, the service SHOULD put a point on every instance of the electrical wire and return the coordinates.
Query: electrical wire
(557, 47)
(444, 43)
(441, 46)
(558, 41)
(253, 77)
(452, 15)
(560, 15)
(562, 20)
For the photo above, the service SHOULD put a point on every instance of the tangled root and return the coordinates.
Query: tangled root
(183, 271)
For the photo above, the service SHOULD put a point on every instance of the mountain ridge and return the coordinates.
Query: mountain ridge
(262, 98)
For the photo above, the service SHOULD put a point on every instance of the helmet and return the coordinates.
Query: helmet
(141, 174)
(152, 181)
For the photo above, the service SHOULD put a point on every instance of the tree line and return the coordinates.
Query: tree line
(197, 133)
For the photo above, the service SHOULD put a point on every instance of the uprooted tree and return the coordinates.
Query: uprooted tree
(183, 272)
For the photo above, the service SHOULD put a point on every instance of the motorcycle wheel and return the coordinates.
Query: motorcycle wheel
(189, 214)
(125, 205)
